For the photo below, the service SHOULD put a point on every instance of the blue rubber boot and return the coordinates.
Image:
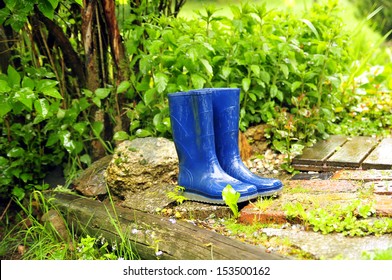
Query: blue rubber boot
(226, 109)
(193, 133)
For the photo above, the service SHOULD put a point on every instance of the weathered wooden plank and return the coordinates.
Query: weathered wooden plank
(320, 151)
(353, 152)
(381, 157)
(174, 239)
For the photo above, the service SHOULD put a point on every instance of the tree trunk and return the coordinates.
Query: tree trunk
(177, 240)
(121, 62)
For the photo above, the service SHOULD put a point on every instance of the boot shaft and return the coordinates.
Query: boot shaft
(191, 118)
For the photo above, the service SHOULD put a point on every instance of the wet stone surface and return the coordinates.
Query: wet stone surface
(331, 246)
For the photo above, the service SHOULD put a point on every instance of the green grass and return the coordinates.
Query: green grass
(35, 238)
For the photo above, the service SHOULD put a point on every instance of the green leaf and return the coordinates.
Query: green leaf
(265, 77)
(311, 26)
(149, 96)
(97, 128)
(120, 136)
(145, 65)
(279, 95)
(28, 82)
(246, 84)
(123, 86)
(252, 96)
(102, 93)
(273, 91)
(256, 70)
(295, 86)
(80, 2)
(54, 3)
(46, 8)
(226, 72)
(231, 197)
(16, 152)
(280, 146)
(86, 159)
(161, 80)
(134, 125)
(4, 13)
(143, 133)
(52, 92)
(26, 96)
(97, 101)
(66, 141)
(80, 127)
(13, 77)
(197, 81)
(285, 70)
(19, 193)
(52, 139)
(207, 66)
(4, 87)
(42, 107)
(46, 84)
(5, 108)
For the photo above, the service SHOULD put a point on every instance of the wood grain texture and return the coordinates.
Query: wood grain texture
(381, 157)
(320, 151)
(177, 240)
(353, 152)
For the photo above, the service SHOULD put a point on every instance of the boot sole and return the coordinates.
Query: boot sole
(271, 192)
(200, 198)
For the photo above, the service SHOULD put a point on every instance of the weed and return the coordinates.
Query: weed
(263, 203)
(378, 255)
(177, 195)
(349, 220)
(231, 197)
(43, 239)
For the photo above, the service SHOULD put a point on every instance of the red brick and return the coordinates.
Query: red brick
(383, 205)
(363, 175)
(251, 214)
(322, 186)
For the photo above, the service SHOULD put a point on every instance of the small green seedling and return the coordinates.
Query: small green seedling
(177, 195)
(231, 197)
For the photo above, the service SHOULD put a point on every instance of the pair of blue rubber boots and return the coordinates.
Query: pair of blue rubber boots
(205, 127)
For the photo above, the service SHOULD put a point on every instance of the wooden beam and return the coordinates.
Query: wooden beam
(353, 152)
(381, 157)
(320, 151)
(174, 239)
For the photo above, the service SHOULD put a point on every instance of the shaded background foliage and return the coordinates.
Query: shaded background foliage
(382, 20)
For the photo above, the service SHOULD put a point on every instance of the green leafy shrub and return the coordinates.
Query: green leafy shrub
(289, 69)
(41, 130)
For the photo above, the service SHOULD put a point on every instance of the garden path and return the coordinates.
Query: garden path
(340, 151)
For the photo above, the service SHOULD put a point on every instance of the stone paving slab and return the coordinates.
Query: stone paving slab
(331, 246)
